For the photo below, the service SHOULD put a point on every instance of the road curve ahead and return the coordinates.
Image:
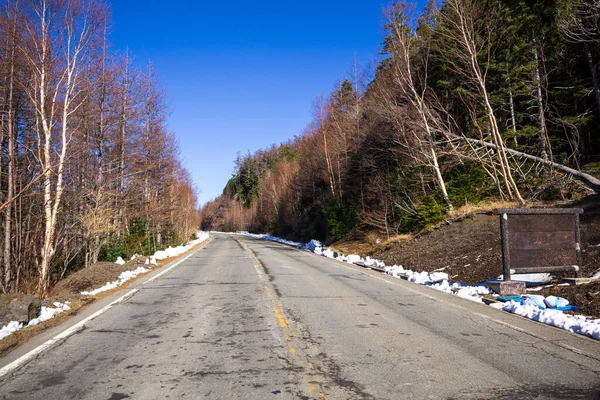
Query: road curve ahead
(249, 319)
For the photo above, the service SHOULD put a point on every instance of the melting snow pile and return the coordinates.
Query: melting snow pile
(45, 314)
(313, 245)
(150, 263)
(176, 251)
(275, 239)
(541, 310)
(533, 309)
(124, 277)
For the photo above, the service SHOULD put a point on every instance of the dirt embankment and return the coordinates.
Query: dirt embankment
(69, 289)
(92, 277)
(468, 250)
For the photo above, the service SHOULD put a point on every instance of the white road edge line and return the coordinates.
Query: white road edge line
(63, 335)
(81, 324)
(155, 277)
(499, 322)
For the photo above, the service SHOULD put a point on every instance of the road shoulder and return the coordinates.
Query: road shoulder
(52, 337)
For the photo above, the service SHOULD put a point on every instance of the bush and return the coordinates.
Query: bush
(138, 242)
(341, 218)
(431, 210)
(467, 184)
(111, 251)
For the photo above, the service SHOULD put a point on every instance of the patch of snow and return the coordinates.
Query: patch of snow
(535, 300)
(124, 277)
(353, 259)
(170, 252)
(327, 253)
(395, 270)
(572, 323)
(150, 262)
(45, 314)
(467, 294)
(534, 307)
(437, 277)
(554, 302)
(538, 288)
(120, 261)
(443, 286)
(371, 262)
(418, 277)
(9, 329)
(271, 238)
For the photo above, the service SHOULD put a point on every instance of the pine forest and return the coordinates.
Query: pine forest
(471, 101)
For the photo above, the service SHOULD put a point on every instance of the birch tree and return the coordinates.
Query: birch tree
(60, 34)
(462, 45)
(11, 40)
(414, 89)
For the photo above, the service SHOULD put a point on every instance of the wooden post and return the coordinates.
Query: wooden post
(505, 247)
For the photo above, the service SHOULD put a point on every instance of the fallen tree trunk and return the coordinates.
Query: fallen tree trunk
(591, 181)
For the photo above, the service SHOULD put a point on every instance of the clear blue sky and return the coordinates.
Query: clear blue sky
(241, 75)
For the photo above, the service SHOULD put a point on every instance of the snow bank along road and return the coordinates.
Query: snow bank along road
(244, 318)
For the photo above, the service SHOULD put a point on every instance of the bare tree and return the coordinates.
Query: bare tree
(414, 89)
(321, 121)
(462, 54)
(12, 39)
(59, 33)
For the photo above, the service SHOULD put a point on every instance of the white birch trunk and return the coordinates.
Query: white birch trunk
(543, 140)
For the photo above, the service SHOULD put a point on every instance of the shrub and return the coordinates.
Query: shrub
(341, 218)
(111, 251)
(431, 210)
(467, 184)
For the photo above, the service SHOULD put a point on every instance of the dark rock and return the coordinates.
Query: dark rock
(21, 308)
(34, 309)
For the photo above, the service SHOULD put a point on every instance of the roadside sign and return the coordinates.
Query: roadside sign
(540, 240)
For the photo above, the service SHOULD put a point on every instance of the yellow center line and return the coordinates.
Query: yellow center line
(286, 329)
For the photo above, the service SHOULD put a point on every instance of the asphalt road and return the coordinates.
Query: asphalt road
(223, 325)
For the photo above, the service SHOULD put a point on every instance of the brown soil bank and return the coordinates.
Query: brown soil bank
(92, 277)
(468, 250)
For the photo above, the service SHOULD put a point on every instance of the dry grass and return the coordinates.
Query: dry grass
(397, 239)
(484, 206)
(353, 247)
(368, 243)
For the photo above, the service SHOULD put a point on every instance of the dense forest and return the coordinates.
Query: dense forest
(472, 100)
(88, 170)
